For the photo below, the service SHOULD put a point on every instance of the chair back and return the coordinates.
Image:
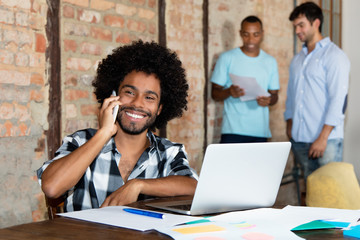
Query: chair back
(54, 206)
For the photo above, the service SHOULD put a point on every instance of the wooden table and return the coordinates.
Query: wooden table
(67, 228)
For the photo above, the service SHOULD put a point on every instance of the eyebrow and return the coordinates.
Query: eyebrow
(135, 88)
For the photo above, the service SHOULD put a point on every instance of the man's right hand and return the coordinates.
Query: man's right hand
(106, 119)
(236, 91)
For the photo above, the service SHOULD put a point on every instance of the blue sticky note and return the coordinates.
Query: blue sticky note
(353, 232)
(337, 224)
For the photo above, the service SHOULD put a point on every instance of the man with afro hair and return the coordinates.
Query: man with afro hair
(123, 161)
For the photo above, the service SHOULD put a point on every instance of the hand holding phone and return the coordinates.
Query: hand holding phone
(116, 108)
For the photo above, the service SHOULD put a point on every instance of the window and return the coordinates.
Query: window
(332, 20)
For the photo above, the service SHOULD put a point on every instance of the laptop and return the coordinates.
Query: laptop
(235, 176)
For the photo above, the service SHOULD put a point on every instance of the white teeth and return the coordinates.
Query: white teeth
(134, 115)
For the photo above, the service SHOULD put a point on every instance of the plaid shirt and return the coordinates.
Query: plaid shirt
(163, 158)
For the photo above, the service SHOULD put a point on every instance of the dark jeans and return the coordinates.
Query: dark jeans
(235, 138)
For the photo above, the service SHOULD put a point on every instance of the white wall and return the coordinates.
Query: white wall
(350, 44)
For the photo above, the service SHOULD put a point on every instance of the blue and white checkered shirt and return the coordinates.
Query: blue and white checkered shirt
(163, 158)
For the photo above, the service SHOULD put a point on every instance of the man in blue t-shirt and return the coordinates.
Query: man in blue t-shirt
(246, 121)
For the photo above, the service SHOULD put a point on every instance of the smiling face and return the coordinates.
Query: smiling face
(140, 95)
(252, 35)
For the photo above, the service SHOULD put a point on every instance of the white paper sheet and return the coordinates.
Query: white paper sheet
(116, 216)
(251, 87)
(262, 223)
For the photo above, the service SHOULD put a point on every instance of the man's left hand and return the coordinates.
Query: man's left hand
(263, 101)
(317, 148)
(126, 194)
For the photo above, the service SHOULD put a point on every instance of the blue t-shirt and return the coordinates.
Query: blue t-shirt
(246, 117)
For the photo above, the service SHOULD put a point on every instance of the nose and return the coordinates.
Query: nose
(138, 101)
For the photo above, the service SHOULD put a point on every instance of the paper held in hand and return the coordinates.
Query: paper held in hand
(251, 87)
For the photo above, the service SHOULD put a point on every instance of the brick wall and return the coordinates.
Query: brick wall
(23, 109)
(184, 35)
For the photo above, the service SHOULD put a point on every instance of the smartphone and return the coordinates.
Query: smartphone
(116, 108)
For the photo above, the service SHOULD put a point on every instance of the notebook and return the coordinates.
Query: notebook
(235, 176)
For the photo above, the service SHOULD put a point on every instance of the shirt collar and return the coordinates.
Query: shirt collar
(110, 145)
(320, 44)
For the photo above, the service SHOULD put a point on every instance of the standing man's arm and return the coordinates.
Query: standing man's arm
(318, 147)
(268, 101)
(218, 93)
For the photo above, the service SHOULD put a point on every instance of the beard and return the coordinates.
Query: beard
(134, 128)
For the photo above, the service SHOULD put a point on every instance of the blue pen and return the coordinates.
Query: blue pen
(144, 213)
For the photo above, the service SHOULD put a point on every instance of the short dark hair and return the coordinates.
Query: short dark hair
(310, 10)
(251, 19)
(150, 58)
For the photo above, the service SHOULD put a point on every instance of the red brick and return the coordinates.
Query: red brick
(70, 79)
(19, 38)
(70, 111)
(101, 34)
(89, 16)
(6, 111)
(76, 29)
(138, 2)
(101, 5)
(14, 77)
(37, 79)
(23, 130)
(152, 3)
(74, 94)
(124, 10)
(17, 4)
(68, 12)
(6, 129)
(152, 28)
(37, 22)
(89, 109)
(147, 14)
(90, 48)
(22, 19)
(36, 60)
(6, 57)
(22, 112)
(79, 64)
(70, 45)
(21, 59)
(136, 26)
(114, 21)
(40, 45)
(7, 17)
(36, 95)
(81, 3)
(123, 38)
(223, 7)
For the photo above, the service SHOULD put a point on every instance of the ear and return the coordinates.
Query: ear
(159, 110)
(316, 23)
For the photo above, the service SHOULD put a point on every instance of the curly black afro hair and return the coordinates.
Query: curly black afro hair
(150, 58)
